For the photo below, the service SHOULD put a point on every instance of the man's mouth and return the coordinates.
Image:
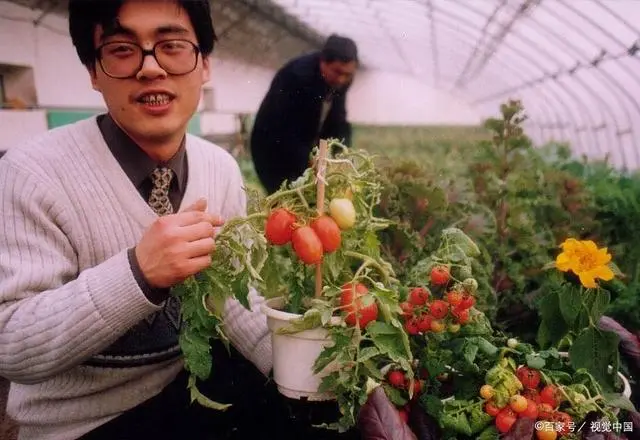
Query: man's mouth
(155, 99)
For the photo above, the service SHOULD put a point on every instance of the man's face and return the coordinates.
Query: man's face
(153, 107)
(336, 74)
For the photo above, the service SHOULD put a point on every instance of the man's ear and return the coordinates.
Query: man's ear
(206, 69)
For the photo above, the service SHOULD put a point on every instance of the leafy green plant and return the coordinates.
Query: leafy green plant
(571, 310)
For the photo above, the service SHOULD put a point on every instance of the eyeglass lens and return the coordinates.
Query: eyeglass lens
(123, 59)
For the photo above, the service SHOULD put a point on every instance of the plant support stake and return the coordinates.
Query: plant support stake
(322, 167)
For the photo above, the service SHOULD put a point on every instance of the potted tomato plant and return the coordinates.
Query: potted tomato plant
(312, 249)
(325, 267)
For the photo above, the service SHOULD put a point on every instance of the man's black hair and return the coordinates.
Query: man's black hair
(338, 48)
(85, 15)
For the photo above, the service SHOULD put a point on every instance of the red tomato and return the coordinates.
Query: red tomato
(505, 419)
(407, 309)
(491, 409)
(533, 395)
(461, 316)
(396, 379)
(418, 296)
(328, 232)
(529, 377)
(563, 422)
(440, 275)
(417, 388)
(550, 395)
(362, 308)
(404, 415)
(467, 301)
(439, 309)
(454, 298)
(545, 411)
(307, 245)
(531, 412)
(411, 326)
(279, 226)
(424, 323)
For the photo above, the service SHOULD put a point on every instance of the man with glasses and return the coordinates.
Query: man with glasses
(100, 219)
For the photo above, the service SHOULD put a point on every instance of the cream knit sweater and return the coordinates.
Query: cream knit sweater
(67, 292)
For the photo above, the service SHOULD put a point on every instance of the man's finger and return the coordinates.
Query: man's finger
(216, 220)
(200, 248)
(189, 218)
(198, 205)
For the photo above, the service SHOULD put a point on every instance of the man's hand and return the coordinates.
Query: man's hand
(177, 246)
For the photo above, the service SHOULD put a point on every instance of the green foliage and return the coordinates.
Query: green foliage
(516, 202)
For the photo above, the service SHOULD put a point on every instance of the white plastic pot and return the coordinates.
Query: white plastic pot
(294, 354)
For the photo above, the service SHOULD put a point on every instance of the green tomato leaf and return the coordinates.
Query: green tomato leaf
(392, 341)
(535, 361)
(432, 404)
(195, 348)
(618, 401)
(478, 419)
(570, 302)
(470, 351)
(367, 353)
(553, 326)
(595, 350)
(456, 422)
(490, 433)
(395, 395)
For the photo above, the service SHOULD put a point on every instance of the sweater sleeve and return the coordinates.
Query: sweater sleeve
(52, 316)
(247, 329)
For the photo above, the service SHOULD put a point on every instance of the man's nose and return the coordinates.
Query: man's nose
(151, 69)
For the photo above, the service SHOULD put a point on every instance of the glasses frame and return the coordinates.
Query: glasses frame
(145, 53)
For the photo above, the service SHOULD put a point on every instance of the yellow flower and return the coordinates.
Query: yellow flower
(585, 260)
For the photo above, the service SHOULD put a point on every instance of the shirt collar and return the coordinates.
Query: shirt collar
(133, 160)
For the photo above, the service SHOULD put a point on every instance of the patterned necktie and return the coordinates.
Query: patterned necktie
(159, 201)
(159, 198)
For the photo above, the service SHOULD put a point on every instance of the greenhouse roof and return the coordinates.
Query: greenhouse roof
(574, 64)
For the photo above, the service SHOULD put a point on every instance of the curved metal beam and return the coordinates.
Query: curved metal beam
(591, 91)
(531, 62)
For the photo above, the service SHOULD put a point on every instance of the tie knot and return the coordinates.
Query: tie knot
(161, 177)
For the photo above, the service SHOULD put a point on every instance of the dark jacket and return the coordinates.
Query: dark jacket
(286, 126)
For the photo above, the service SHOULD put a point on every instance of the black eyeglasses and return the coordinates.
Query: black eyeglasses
(123, 59)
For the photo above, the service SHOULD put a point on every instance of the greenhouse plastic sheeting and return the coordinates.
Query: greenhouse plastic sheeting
(574, 63)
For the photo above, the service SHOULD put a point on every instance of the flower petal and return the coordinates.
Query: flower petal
(563, 262)
(604, 273)
(587, 280)
(569, 243)
(603, 256)
(590, 245)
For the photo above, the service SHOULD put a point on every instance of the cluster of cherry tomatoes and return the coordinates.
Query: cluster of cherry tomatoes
(357, 305)
(536, 401)
(423, 314)
(322, 235)
(398, 379)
